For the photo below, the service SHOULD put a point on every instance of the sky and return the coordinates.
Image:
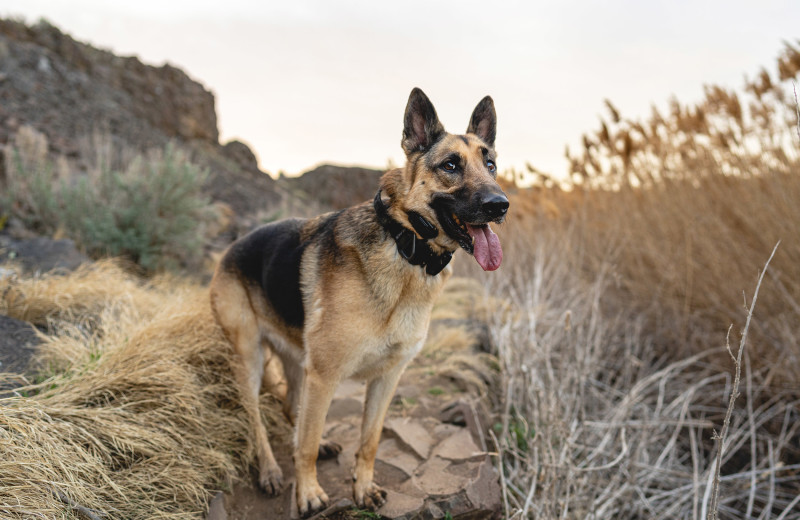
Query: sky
(311, 82)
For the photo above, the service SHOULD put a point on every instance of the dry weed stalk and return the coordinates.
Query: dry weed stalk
(737, 362)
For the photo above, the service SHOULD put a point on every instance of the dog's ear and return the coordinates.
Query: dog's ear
(483, 122)
(421, 126)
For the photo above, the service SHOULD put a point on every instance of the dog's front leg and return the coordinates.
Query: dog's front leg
(379, 394)
(315, 399)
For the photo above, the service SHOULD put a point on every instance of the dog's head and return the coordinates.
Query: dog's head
(448, 188)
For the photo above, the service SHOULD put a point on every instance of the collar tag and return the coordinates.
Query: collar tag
(406, 244)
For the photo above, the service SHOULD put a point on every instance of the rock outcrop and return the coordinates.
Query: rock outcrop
(68, 89)
(335, 187)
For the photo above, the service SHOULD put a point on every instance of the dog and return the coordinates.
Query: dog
(349, 294)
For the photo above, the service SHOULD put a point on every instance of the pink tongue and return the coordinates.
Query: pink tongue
(486, 247)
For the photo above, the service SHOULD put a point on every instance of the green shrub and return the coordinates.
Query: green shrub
(150, 211)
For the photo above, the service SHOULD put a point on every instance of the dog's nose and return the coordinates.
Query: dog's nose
(495, 205)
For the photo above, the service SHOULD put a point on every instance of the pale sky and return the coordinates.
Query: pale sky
(307, 82)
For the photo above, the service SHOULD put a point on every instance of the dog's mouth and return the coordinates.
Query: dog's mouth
(476, 238)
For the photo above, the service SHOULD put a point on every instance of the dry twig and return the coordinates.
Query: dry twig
(737, 360)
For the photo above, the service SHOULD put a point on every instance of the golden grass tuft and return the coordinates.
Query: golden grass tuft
(137, 416)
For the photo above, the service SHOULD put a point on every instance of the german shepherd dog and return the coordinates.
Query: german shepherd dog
(348, 294)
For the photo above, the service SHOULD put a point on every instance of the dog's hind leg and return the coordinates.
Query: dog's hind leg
(248, 372)
(235, 315)
(274, 379)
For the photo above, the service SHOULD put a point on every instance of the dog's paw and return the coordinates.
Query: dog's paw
(370, 496)
(329, 449)
(271, 480)
(310, 498)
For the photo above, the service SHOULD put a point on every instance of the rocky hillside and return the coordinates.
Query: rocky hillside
(334, 187)
(69, 91)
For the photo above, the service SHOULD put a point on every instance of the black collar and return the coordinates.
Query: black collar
(414, 249)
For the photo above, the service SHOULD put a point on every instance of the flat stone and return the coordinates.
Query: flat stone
(439, 483)
(442, 430)
(411, 487)
(412, 434)
(408, 391)
(18, 341)
(459, 447)
(42, 254)
(388, 476)
(216, 509)
(484, 491)
(400, 505)
(466, 469)
(436, 463)
(391, 453)
(337, 507)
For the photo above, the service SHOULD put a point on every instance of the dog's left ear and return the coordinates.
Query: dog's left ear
(483, 122)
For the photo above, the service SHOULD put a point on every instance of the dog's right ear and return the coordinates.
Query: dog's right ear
(421, 128)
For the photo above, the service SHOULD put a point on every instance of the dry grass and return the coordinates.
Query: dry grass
(613, 349)
(136, 416)
(598, 421)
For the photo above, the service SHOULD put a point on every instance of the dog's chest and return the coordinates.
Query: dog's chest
(395, 344)
(399, 326)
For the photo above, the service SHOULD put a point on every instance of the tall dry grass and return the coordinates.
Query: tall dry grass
(616, 374)
(134, 415)
(601, 419)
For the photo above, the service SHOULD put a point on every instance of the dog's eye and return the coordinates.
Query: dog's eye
(449, 166)
(491, 166)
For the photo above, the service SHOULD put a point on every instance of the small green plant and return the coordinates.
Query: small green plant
(152, 214)
(435, 390)
(150, 211)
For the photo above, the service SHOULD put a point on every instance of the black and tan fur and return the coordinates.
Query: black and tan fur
(334, 298)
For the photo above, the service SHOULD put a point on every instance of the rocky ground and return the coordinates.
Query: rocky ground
(432, 461)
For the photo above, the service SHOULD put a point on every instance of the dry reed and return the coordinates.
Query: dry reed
(614, 365)
(597, 421)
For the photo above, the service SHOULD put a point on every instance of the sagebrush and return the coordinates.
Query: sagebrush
(150, 209)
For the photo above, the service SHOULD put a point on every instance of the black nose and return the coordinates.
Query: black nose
(495, 205)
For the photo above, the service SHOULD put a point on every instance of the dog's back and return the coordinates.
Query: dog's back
(268, 259)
